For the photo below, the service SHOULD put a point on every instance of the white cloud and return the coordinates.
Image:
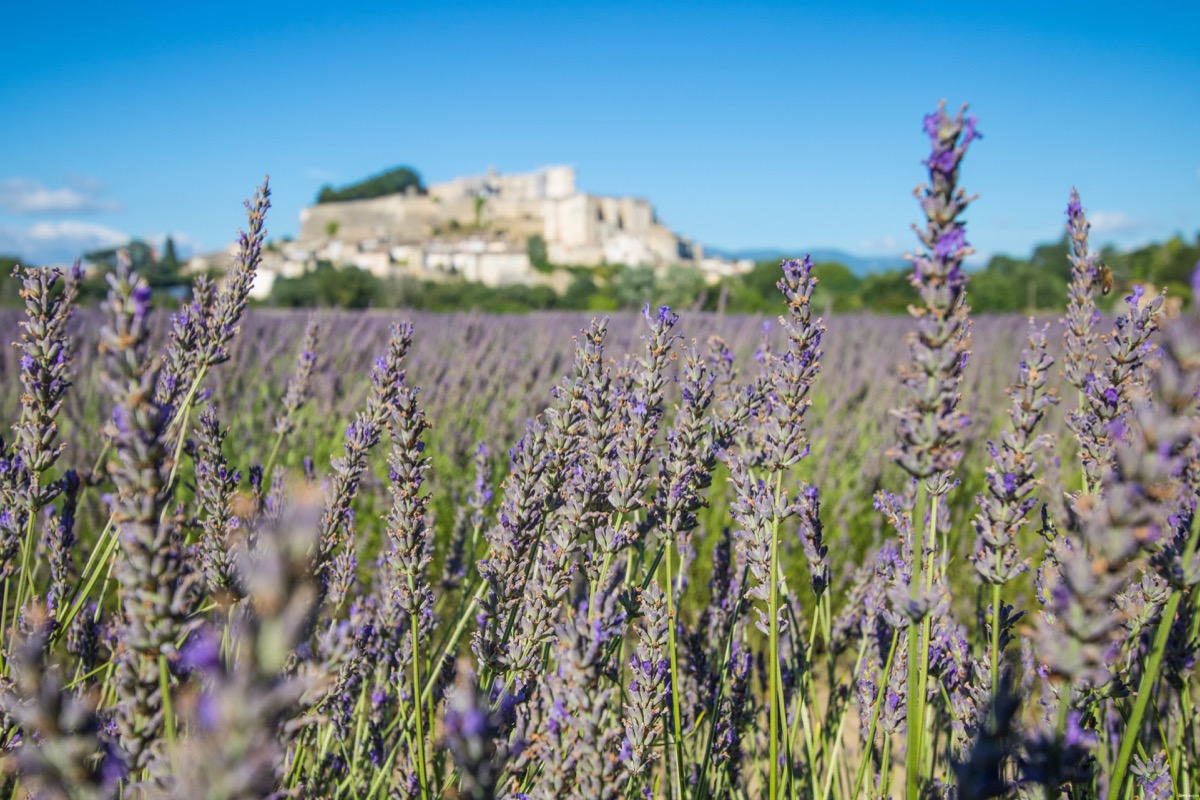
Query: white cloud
(84, 183)
(25, 196)
(59, 242)
(1114, 223)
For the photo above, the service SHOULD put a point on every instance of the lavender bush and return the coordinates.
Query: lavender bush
(716, 567)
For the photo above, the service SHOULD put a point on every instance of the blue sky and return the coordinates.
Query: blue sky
(747, 124)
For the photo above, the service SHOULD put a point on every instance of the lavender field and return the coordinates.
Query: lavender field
(254, 554)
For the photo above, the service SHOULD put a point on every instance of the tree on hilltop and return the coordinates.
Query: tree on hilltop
(395, 181)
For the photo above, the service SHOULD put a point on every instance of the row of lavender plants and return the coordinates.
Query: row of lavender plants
(211, 633)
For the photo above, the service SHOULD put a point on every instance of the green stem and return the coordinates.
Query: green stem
(841, 728)
(676, 717)
(164, 685)
(916, 697)
(271, 458)
(25, 582)
(887, 672)
(773, 628)
(1060, 726)
(995, 638)
(1145, 688)
(416, 683)
(722, 668)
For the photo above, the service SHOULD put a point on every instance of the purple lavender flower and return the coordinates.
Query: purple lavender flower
(298, 388)
(649, 685)
(158, 590)
(216, 484)
(1005, 505)
(1153, 777)
(1080, 337)
(231, 301)
(470, 732)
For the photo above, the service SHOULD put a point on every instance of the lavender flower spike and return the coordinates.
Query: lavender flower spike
(929, 426)
(231, 302)
(158, 592)
(45, 374)
(930, 423)
(1012, 479)
(1082, 315)
(298, 387)
(649, 686)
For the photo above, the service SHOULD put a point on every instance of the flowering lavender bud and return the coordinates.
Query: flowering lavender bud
(734, 715)
(469, 521)
(216, 486)
(85, 639)
(470, 731)
(60, 540)
(158, 591)
(724, 591)
(562, 461)
(893, 712)
(755, 509)
(930, 424)
(44, 372)
(692, 445)
(550, 581)
(16, 487)
(984, 773)
(1080, 637)
(641, 413)
(1080, 322)
(361, 437)
(961, 677)
(808, 509)
(509, 544)
(62, 750)
(1012, 480)
(1108, 393)
(298, 388)
(1055, 761)
(237, 702)
(790, 376)
(848, 624)
(341, 573)
(188, 336)
(1153, 777)
(231, 301)
(410, 540)
(649, 684)
(579, 750)
(592, 394)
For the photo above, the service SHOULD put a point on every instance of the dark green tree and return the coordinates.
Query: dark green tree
(394, 181)
(169, 263)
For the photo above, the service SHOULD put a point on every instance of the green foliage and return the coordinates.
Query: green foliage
(327, 285)
(394, 181)
(890, 292)
(169, 263)
(9, 289)
(353, 288)
(331, 228)
(535, 247)
(1005, 284)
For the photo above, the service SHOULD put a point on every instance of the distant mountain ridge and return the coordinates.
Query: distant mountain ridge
(859, 265)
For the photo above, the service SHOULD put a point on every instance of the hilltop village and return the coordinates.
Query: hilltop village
(493, 229)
